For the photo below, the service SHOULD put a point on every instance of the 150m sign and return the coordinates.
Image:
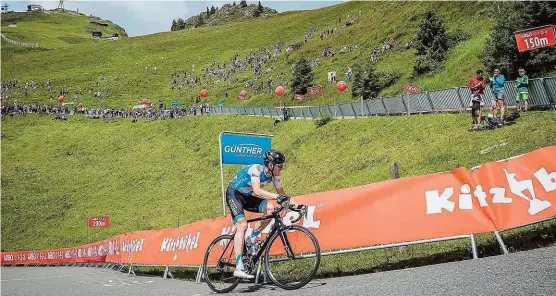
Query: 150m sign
(535, 38)
(99, 222)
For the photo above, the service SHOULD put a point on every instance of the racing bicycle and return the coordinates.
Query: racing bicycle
(291, 254)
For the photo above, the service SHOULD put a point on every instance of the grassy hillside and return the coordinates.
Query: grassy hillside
(55, 29)
(80, 66)
(146, 175)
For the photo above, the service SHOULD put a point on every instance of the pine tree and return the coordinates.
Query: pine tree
(431, 44)
(208, 11)
(212, 10)
(367, 82)
(243, 3)
(174, 25)
(501, 49)
(200, 21)
(259, 10)
(303, 77)
(180, 24)
(234, 4)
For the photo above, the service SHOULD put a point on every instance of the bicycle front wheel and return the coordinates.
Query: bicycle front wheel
(219, 264)
(292, 257)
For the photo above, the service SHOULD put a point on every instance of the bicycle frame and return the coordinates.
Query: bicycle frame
(277, 226)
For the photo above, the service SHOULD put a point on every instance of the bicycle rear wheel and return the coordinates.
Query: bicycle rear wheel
(292, 257)
(219, 264)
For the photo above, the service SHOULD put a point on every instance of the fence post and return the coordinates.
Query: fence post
(355, 112)
(430, 102)
(460, 99)
(395, 171)
(383, 104)
(362, 114)
(405, 101)
(551, 96)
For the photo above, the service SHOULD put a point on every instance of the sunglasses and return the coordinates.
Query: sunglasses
(281, 166)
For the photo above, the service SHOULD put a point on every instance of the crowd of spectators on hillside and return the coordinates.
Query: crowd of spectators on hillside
(255, 70)
(150, 112)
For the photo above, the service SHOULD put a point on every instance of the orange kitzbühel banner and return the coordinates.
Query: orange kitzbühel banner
(496, 196)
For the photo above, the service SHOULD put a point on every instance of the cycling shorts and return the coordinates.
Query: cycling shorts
(238, 202)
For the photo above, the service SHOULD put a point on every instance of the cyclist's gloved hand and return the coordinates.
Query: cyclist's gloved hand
(282, 198)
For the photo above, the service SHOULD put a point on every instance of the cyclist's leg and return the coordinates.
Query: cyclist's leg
(235, 202)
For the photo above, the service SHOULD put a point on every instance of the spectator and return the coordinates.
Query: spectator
(284, 112)
(477, 86)
(348, 74)
(497, 86)
(522, 89)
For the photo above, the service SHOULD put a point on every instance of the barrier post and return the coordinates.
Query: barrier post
(395, 171)
(473, 247)
(258, 272)
(501, 242)
(130, 271)
(167, 273)
(199, 277)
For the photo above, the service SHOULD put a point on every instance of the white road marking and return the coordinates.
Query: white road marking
(49, 277)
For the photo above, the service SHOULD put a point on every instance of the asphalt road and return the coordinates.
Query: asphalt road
(525, 273)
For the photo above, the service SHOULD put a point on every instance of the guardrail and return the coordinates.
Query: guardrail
(542, 93)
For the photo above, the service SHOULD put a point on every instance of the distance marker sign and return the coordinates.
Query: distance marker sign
(535, 38)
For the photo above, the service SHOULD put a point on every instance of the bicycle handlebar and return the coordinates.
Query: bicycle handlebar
(301, 209)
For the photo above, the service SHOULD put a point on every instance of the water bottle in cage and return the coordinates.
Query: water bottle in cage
(251, 247)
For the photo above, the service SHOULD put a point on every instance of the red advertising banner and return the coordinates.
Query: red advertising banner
(496, 196)
(313, 91)
(411, 89)
(533, 39)
(99, 222)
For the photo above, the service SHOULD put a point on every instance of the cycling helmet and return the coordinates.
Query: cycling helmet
(273, 157)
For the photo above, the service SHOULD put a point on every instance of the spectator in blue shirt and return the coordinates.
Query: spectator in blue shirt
(497, 86)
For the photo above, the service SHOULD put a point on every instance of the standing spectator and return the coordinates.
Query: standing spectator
(522, 89)
(284, 112)
(348, 74)
(497, 86)
(477, 86)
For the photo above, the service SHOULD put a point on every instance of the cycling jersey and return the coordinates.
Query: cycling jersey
(253, 173)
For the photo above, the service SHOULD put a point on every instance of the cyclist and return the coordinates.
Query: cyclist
(245, 193)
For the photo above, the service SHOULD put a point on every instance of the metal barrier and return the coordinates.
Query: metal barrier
(542, 93)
